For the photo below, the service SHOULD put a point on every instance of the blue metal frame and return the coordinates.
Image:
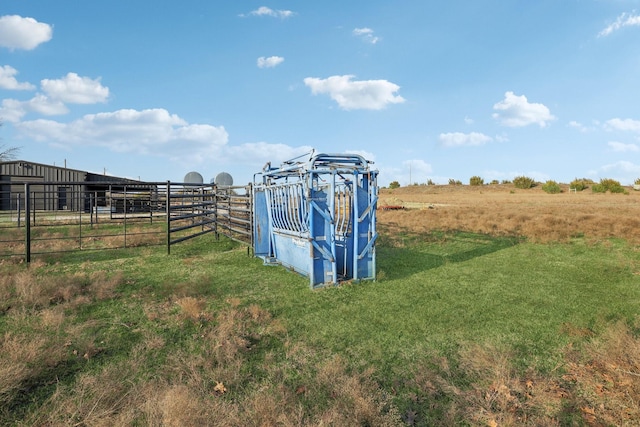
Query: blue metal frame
(318, 217)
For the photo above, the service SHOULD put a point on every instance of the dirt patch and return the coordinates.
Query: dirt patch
(506, 210)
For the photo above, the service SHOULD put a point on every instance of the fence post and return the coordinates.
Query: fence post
(18, 208)
(125, 216)
(27, 214)
(168, 212)
(78, 200)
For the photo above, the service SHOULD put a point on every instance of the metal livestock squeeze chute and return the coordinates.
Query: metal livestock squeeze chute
(318, 217)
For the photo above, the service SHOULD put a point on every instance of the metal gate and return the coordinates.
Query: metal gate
(194, 210)
(317, 217)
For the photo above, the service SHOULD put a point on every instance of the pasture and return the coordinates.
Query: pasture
(493, 306)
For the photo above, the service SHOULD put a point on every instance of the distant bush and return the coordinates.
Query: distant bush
(637, 181)
(580, 184)
(476, 180)
(551, 187)
(430, 182)
(394, 184)
(523, 182)
(608, 184)
(506, 181)
(454, 181)
(494, 182)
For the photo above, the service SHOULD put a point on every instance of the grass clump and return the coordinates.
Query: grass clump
(580, 184)
(476, 180)
(524, 182)
(551, 187)
(608, 184)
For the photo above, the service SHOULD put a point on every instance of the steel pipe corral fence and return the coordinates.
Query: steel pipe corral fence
(317, 217)
(56, 217)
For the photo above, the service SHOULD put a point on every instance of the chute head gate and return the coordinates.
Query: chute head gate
(317, 216)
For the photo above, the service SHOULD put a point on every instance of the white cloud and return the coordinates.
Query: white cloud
(74, 89)
(469, 120)
(46, 106)
(152, 131)
(624, 20)
(624, 171)
(516, 111)
(69, 89)
(8, 79)
(621, 147)
(579, 126)
(17, 32)
(269, 62)
(267, 11)
(623, 124)
(356, 95)
(502, 138)
(458, 139)
(13, 110)
(418, 167)
(366, 34)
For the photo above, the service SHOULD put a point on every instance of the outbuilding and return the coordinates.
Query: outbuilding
(56, 187)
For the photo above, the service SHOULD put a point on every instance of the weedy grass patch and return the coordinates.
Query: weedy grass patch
(459, 328)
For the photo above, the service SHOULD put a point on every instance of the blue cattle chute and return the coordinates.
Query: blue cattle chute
(318, 217)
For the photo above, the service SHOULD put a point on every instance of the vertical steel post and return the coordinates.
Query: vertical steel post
(332, 227)
(168, 213)
(19, 208)
(80, 209)
(356, 225)
(27, 207)
(125, 216)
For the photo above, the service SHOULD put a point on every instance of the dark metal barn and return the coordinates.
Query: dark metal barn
(54, 187)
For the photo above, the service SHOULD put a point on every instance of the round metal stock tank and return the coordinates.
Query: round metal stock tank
(224, 179)
(193, 178)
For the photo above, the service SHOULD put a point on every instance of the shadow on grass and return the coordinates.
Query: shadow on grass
(403, 252)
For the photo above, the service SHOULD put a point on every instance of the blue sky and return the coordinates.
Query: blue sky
(144, 89)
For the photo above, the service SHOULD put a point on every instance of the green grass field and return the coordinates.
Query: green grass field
(459, 328)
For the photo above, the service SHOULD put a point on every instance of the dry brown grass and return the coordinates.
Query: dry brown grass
(35, 305)
(504, 210)
(607, 377)
(597, 386)
(207, 382)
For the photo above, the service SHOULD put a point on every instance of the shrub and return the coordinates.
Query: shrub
(394, 184)
(494, 182)
(524, 182)
(506, 181)
(430, 182)
(608, 184)
(551, 187)
(637, 181)
(454, 181)
(580, 184)
(476, 180)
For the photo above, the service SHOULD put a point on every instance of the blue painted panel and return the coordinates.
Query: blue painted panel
(261, 231)
(292, 252)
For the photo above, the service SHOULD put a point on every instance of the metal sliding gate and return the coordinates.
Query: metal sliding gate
(197, 209)
(318, 217)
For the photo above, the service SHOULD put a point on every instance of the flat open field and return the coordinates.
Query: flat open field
(478, 317)
(505, 210)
